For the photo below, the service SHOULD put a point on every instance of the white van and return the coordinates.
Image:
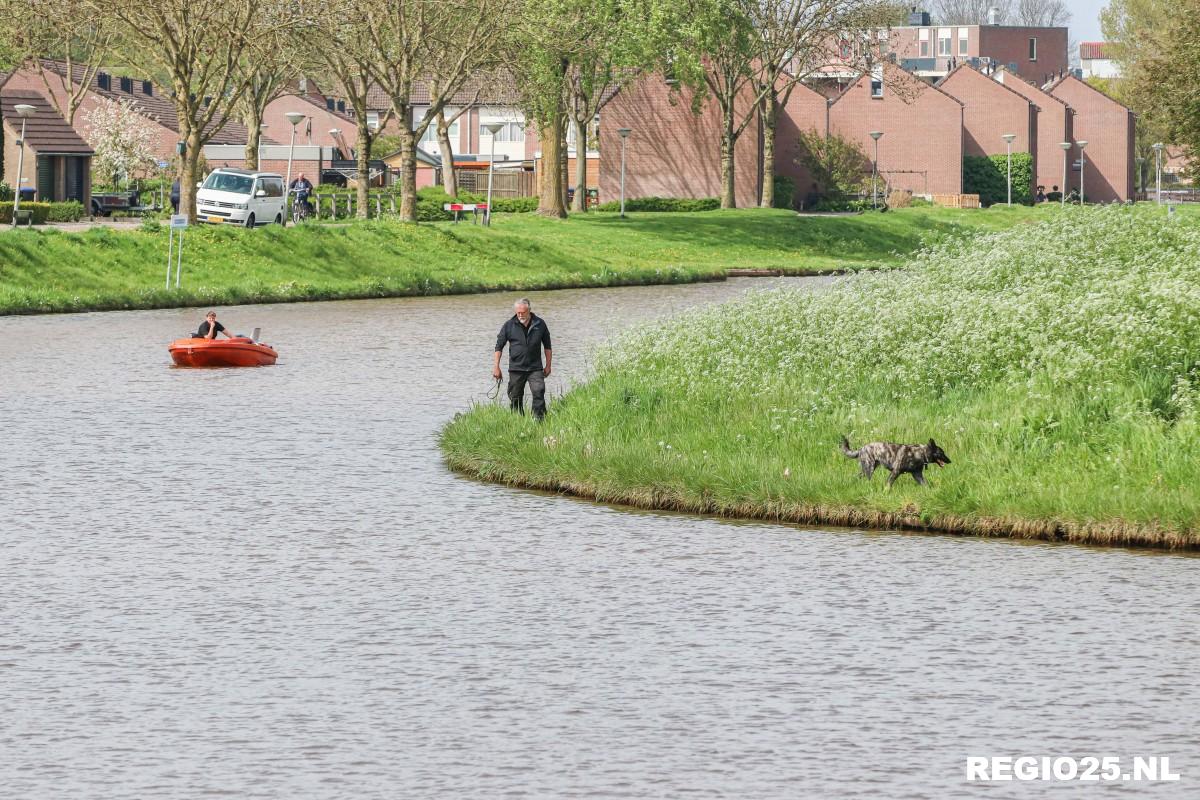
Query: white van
(241, 197)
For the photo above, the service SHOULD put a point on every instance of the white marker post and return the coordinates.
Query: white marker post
(180, 222)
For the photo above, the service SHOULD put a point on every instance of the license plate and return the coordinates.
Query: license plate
(216, 219)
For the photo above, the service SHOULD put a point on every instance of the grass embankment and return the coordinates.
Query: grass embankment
(1057, 364)
(101, 269)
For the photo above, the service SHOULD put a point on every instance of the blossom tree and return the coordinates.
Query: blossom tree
(121, 137)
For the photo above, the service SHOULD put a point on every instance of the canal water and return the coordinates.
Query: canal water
(265, 584)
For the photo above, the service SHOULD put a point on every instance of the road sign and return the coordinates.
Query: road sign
(179, 221)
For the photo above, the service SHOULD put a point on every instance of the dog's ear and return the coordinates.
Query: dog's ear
(932, 443)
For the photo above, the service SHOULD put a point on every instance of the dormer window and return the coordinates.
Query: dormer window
(341, 106)
(329, 104)
(147, 88)
(127, 85)
(104, 81)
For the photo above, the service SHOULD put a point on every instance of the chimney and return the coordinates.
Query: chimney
(993, 16)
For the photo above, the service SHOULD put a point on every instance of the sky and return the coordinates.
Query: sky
(1085, 20)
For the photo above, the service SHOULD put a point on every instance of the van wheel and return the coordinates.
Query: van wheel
(250, 221)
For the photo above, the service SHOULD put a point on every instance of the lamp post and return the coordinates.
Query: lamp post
(24, 112)
(875, 169)
(1158, 148)
(1082, 163)
(1066, 146)
(1008, 139)
(624, 134)
(493, 128)
(293, 117)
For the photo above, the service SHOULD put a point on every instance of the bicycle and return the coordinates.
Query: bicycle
(301, 209)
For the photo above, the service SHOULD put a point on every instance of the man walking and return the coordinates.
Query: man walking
(526, 335)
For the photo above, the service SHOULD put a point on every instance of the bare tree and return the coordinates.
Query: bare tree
(341, 40)
(267, 81)
(198, 46)
(970, 12)
(37, 30)
(442, 43)
(1042, 13)
(442, 123)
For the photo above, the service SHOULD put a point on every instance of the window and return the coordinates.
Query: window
(127, 85)
(341, 106)
(104, 81)
(844, 48)
(593, 134)
(372, 119)
(944, 42)
(1032, 49)
(877, 82)
(229, 182)
(963, 37)
(147, 88)
(272, 186)
(513, 132)
(430, 136)
(329, 104)
(923, 36)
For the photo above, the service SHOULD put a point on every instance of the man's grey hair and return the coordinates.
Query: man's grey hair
(524, 301)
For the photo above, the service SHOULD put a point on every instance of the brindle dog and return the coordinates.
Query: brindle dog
(898, 458)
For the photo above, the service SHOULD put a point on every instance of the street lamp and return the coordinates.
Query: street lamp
(295, 118)
(1141, 174)
(1066, 146)
(624, 134)
(875, 169)
(1082, 143)
(493, 128)
(1158, 148)
(1008, 139)
(24, 112)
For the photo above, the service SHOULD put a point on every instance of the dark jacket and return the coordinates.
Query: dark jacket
(524, 346)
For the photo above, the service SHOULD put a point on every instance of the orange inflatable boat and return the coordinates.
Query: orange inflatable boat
(241, 351)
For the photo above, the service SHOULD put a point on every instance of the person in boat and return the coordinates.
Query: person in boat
(210, 327)
(526, 335)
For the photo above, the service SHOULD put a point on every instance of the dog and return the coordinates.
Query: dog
(898, 458)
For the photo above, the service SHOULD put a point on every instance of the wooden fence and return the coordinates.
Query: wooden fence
(505, 183)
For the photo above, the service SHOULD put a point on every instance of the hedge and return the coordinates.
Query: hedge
(785, 192)
(987, 176)
(664, 204)
(70, 211)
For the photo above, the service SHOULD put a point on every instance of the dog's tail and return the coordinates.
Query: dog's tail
(846, 451)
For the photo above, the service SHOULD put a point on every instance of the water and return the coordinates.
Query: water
(265, 584)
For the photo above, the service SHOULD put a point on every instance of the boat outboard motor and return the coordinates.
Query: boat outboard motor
(255, 334)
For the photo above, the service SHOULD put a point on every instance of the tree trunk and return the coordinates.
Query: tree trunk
(408, 172)
(728, 198)
(189, 169)
(362, 170)
(449, 180)
(253, 136)
(768, 112)
(550, 200)
(580, 203)
(564, 163)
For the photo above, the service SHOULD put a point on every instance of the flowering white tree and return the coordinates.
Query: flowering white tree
(121, 137)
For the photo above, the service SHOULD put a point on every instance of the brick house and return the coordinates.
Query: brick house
(805, 110)
(57, 162)
(672, 152)
(932, 51)
(922, 144)
(1108, 128)
(1053, 126)
(147, 100)
(991, 109)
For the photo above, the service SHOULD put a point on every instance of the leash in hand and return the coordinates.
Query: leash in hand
(494, 392)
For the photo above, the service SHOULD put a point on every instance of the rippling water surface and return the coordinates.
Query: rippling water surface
(265, 584)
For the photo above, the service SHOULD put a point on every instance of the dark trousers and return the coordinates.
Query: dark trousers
(537, 387)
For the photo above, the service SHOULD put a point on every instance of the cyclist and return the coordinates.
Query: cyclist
(303, 188)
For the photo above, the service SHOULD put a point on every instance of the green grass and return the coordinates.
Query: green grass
(1058, 364)
(51, 271)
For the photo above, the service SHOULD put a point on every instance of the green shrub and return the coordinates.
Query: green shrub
(664, 204)
(6, 192)
(987, 176)
(837, 164)
(514, 205)
(785, 192)
(39, 211)
(69, 211)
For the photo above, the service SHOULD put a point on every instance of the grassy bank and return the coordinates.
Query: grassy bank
(49, 271)
(1057, 364)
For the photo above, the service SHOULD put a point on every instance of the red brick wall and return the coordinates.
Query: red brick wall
(922, 131)
(1107, 127)
(1006, 45)
(990, 110)
(805, 110)
(323, 120)
(672, 152)
(1053, 126)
